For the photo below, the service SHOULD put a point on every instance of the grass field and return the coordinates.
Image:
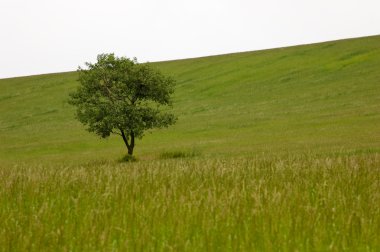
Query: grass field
(304, 203)
(275, 150)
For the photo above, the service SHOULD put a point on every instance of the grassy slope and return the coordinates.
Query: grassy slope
(323, 97)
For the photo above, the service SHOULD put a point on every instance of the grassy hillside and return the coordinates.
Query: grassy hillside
(323, 97)
(282, 154)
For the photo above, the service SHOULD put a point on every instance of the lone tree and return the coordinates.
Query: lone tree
(120, 96)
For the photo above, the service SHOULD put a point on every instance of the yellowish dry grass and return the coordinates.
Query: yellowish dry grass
(293, 203)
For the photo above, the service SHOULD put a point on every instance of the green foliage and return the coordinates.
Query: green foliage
(120, 96)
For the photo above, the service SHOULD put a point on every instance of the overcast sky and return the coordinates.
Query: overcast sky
(44, 36)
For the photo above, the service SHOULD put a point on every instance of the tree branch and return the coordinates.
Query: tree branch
(108, 90)
(124, 138)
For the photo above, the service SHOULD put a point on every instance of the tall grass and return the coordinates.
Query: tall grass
(304, 203)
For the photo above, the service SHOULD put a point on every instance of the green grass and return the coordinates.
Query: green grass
(293, 203)
(274, 150)
(323, 97)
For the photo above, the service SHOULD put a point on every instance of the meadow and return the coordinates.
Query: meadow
(304, 203)
(274, 150)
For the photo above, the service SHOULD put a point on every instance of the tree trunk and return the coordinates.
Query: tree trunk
(131, 145)
(130, 151)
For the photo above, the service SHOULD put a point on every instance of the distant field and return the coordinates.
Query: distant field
(275, 150)
(323, 97)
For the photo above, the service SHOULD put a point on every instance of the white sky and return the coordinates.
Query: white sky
(44, 36)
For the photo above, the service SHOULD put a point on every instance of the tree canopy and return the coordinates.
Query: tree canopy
(120, 96)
